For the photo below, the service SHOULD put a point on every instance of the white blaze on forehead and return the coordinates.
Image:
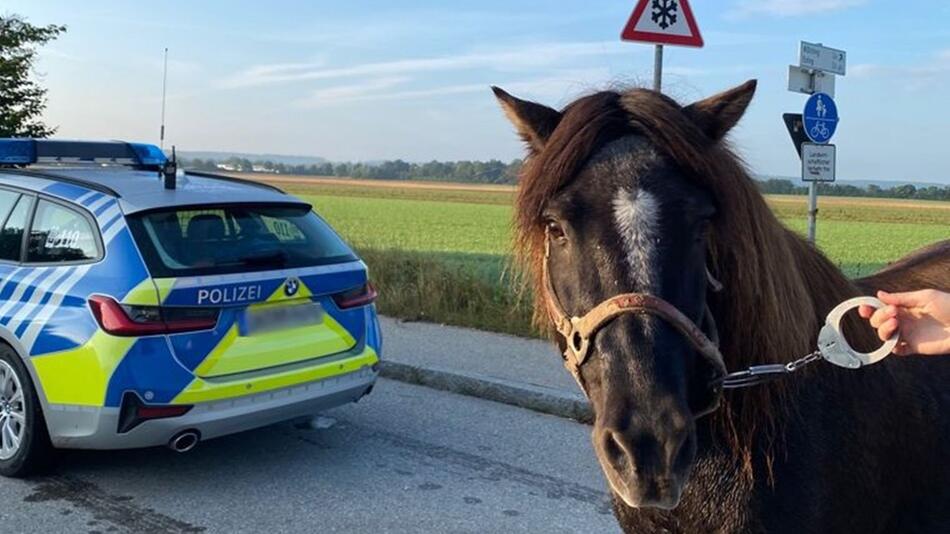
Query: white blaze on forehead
(637, 215)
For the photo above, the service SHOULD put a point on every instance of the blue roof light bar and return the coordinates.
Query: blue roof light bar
(17, 151)
(28, 151)
(148, 154)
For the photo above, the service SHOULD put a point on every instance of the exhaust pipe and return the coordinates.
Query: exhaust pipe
(184, 441)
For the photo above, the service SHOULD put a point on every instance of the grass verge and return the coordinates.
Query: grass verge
(472, 290)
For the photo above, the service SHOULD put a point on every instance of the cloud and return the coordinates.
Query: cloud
(536, 55)
(350, 92)
(373, 92)
(733, 39)
(790, 8)
(264, 74)
(387, 88)
(912, 76)
(866, 70)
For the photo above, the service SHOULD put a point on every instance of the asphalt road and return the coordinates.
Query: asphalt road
(405, 459)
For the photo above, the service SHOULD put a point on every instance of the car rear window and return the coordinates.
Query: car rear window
(197, 241)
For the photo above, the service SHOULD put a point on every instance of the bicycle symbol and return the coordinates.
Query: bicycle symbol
(820, 131)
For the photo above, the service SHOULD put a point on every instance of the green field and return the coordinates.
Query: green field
(440, 252)
(435, 226)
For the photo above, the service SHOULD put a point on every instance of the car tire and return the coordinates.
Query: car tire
(21, 415)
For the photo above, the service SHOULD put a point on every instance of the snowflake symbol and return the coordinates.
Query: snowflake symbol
(664, 13)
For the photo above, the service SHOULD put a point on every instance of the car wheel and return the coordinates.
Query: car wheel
(24, 440)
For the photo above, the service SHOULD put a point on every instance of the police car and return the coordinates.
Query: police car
(141, 306)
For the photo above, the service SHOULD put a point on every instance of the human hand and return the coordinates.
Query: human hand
(922, 318)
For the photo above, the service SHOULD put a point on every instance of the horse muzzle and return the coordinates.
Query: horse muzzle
(642, 470)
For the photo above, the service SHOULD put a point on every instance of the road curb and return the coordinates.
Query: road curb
(529, 396)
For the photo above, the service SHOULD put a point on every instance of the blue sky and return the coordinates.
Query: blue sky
(368, 80)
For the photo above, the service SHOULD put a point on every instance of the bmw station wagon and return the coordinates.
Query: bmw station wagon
(142, 306)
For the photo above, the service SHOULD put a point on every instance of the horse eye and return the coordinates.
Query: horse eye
(554, 229)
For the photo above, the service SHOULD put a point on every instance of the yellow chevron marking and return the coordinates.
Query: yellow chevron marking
(202, 391)
(81, 376)
(143, 294)
(164, 286)
(236, 353)
(215, 355)
(303, 292)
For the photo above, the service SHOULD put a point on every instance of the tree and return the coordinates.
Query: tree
(904, 191)
(22, 100)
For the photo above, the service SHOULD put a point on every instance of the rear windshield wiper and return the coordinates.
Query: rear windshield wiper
(278, 258)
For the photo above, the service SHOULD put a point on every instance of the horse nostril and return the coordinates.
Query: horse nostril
(613, 448)
(616, 452)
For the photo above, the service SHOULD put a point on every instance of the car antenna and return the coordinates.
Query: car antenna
(161, 135)
(170, 170)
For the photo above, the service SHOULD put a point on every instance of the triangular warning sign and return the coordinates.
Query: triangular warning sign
(663, 22)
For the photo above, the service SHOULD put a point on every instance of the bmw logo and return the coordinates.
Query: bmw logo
(291, 286)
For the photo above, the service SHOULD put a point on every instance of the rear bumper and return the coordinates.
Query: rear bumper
(82, 427)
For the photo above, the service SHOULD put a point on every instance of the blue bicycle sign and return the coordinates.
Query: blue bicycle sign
(820, 118)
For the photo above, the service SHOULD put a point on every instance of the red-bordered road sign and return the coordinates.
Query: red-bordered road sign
(663, 22)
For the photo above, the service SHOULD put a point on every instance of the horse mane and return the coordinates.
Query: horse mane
(778, 287)
(928, 267)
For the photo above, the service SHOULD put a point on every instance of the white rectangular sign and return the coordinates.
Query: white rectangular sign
(803, 80)
(818, 57)
(818, 162)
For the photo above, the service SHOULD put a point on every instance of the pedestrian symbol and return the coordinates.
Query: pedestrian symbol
(820, 118)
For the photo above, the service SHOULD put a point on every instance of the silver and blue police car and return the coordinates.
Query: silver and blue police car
(141, 306)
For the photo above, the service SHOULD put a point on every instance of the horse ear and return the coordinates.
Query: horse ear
(717, 114)
(534, 122)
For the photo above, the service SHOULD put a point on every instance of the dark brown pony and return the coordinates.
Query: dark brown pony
(630, 191)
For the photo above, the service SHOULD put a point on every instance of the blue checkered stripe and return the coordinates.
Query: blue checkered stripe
(45, 306)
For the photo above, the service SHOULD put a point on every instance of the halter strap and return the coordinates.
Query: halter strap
(578, 331)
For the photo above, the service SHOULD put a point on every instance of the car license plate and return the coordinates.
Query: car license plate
(272, 318)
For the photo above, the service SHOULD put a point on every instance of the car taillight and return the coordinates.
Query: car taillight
(361, 296)
(128, 320)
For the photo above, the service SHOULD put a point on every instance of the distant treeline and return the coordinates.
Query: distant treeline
(499, 172)
(487, 172)
(779, 186)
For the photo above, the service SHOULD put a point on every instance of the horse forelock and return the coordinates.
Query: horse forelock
(768, 313)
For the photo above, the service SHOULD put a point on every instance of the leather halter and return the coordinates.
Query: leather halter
(578, 331)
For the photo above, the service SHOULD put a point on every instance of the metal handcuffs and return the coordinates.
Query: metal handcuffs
(832, 347)
(835, 348)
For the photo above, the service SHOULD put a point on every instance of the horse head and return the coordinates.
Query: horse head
(604, 209)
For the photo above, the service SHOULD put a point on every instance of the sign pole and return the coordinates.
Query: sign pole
(658, 68)
(815, 75)
(812, 210)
